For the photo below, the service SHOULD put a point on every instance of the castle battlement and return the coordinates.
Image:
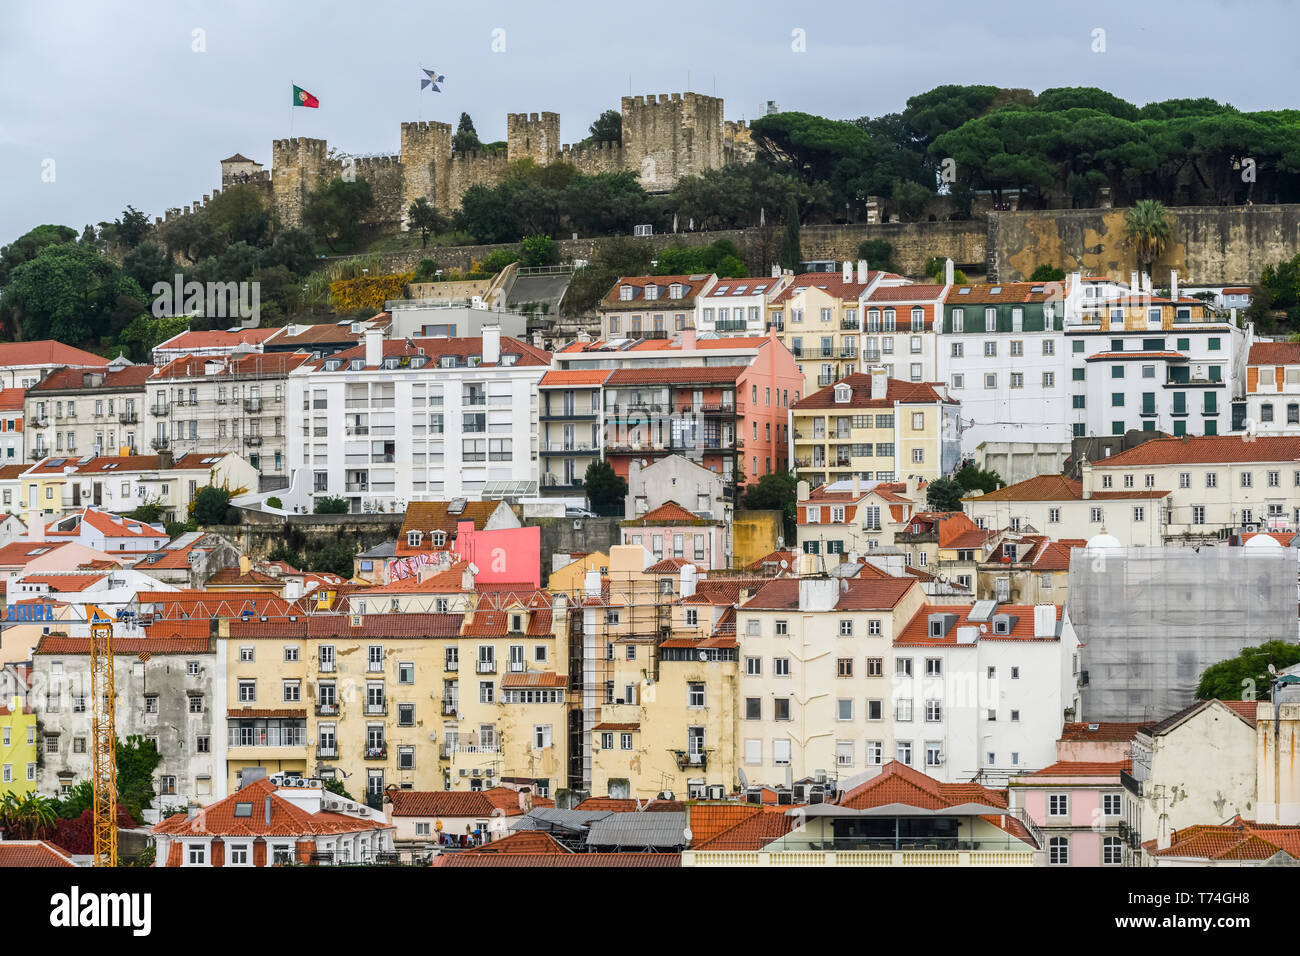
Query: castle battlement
(665, 136)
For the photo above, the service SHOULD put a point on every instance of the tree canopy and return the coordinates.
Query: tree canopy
(1246, 677)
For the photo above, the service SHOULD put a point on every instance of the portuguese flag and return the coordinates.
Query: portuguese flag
(302, 98)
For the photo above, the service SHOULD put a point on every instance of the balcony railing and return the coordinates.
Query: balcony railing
(129, 418)
(327, 753)
(486, 667)
(160, 408)
(252, 404)
(327, 710)
(450, 708)
(377, 753)
(825, 379)
(253, 441)
(850, 323)
(160, 444)
(687, 760)
(377, 710)
(471, 749)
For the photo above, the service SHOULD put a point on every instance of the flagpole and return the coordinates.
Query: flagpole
(291, 111)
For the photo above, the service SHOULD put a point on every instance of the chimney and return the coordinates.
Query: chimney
(583, 336)
(374, 348)
(879, 384)
(862, 272)
(947, 272)
(245, 565)
(801, 491)
(689, 575)
(848, 271)
(913, 486)
(1173, 284)
(1133, 283)
(1085, 477)
(776, 271)
(35, 526)
(818, 594)
(1044, 620)
(857, 485)
(192, 811)
(467, 579)
(491, 344)
(688, 338)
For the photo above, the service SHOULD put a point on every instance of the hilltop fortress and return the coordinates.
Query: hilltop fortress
(664, 138)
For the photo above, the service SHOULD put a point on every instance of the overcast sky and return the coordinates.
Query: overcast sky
(118, 98)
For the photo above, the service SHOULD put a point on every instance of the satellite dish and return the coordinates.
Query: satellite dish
(780, 542)
(703, 656)
(744, 780)
(473, 568)
(984, 628)
(785, 564)
(1272, 670)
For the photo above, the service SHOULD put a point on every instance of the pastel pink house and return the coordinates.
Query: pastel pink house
(1079, 806)
(670, 531)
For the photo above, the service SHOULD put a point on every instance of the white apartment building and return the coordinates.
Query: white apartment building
(815, 677)
(983, 689)
(1153, 363)
(1002, 353)
(1216, 484)
(224, 404)
(391, 422)
(1273, 389)
(1131, 511)
(734, 307)
(86, 411)
(898, 334)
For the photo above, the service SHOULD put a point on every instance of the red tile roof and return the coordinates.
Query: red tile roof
(921, 292)
(832, 283)
(529, 861)
(531, 842)
(917, 630)
(1209, 449)
(456, 803)
(287, 819)
(60, 644)
(534, 679)
(341, 626)
(64, 582)
(668, 513)
(46, 352)
(692, 286)
(567, 378)
(1105, 731)
(131, 377)
(981, 292)
(1061, 488)
(1084, 768)
(1274, 353)
(11, 399)
(855, 594)
(1238, 840)
(860, 396)
(689, 375)
(898, 783)
(27, 853)
(216, 339)
(751, 833)
(270, 365)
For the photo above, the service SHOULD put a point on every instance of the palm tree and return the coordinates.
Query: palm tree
(1147, 229)
(27, 817)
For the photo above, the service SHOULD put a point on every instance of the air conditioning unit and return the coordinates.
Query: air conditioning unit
(716, 792)
(464, 772)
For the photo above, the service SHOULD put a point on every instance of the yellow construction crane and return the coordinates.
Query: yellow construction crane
(103, 735)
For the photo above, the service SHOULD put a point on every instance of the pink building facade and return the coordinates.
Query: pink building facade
(1079, 807)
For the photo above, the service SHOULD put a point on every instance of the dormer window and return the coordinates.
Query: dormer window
(390, 363)
(447, 361)
(438, 539)
(413, 538)
(625, 293)
(652, 291)
(675, 291)
(516, 623)
(332, 365)
(357, 364)
(936, 627)
(843, 394)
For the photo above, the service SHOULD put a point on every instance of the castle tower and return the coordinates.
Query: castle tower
(533, 136)
(426, 154)
(298, 166)
(668, 137)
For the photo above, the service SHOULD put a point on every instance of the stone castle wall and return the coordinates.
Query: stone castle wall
(665, 137)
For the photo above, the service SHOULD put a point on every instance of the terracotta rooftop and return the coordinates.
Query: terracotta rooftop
(224, 818)
(28, 853)
(1101, 732)
(917, 630)
(76, 379)
(46, 352)
(854, 594)
(1206, 449)
(456, 803)
(897, 391)
(1061, 488)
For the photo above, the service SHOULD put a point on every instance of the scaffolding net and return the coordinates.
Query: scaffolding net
(1151, 620)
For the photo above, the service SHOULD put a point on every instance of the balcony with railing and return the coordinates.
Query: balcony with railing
(377, 753)
(477, 749)
(485, 667)
(450, 707)
(253, 441)
(376, 709)
(252, 404)
(692, 760)
(330, 709)
(569, 448)
(129, 418)
(730, 325)
(160, 408)
(324, 752)
(160, 444)
(850, 324)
